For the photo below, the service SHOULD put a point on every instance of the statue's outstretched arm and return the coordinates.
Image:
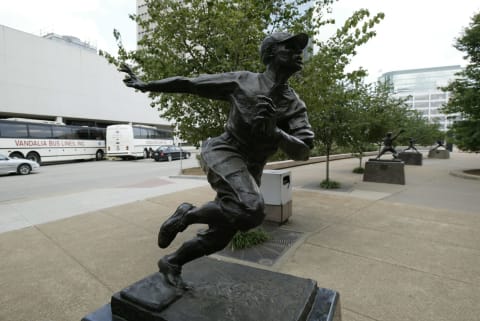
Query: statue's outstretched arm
(400, 132)
(217, 86)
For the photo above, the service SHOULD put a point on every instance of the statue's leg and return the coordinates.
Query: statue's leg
(238, 206)
(209, 213)
(205, 243)
(394, 153)
(173, 225)
(381, 153)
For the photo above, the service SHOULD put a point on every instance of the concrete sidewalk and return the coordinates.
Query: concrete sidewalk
(394, 252)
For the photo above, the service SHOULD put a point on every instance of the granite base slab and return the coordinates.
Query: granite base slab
(228, 291)
(439, 153)
(384, 171)
(411, 158)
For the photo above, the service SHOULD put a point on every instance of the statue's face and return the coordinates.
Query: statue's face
(288, 56)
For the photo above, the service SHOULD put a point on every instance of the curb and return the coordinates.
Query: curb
(312, 160)
(202, 177)
(464, 175)
(288, 163)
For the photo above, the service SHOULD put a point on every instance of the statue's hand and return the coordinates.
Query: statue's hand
(264, 123)
(265, 106)
(131, 80)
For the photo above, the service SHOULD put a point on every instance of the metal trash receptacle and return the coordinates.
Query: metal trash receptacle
(276, 188)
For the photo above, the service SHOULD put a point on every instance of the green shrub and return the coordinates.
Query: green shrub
(329, 184)
(244, 240)
(358, 170)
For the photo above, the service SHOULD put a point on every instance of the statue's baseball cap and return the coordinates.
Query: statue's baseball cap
(300, 39)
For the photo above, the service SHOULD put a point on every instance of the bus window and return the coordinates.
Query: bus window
(13, 130)
(60, 132)
(153, 133)
(39, 131)
(137, 132)
(82, 133)
(98, 133)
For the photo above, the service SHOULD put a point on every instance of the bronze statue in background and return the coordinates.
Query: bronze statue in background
(266, 114)
(439, 145)
(388, 145)
(411, 145)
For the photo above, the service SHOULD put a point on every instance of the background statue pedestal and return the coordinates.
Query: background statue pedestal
(384, 171)
(411, 158)
(227, 291)
(439, 153)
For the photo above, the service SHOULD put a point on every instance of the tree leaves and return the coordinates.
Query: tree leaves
(465, 90)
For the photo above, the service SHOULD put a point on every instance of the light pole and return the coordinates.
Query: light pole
(181, 159)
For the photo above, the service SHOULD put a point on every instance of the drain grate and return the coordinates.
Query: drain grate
(269, 252)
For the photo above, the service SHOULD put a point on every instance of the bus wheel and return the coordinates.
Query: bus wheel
(99, 155)
(169, 158)
(145, 153)
(34, 157)
(16, 155)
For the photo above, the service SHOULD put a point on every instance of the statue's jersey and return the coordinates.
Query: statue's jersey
(242, 90)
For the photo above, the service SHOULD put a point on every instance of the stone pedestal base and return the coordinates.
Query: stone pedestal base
(411, 158)
(226, 291)
(439, 153)
(278, 213)
(384, 171)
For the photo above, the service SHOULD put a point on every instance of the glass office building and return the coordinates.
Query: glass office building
(421, 88)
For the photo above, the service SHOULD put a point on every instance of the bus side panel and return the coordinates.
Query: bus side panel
(52, 150)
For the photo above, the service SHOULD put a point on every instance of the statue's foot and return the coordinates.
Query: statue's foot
(173, 225)
(172, 274)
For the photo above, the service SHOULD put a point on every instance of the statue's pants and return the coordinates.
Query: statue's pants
(236, 179)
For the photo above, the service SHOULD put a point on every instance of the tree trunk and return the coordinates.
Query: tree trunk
(328, 165)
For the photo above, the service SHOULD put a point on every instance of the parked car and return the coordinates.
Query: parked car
(170, 153)
(20, 166)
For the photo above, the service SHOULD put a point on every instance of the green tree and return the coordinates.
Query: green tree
(327, 88)
(465, 90)
(378, 111)
(195, 37)
(417, 127)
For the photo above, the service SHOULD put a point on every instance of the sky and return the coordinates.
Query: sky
(414, 33)
(91, 21)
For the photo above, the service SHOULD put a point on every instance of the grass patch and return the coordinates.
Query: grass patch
(245, 240)
(329, 184)
(358, 170)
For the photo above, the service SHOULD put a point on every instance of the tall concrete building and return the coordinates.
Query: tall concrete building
(141, 12)
(421, 88)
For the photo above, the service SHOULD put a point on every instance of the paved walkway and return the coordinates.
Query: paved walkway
(394, 252)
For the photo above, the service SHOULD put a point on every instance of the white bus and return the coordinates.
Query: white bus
(132, 141)
(48, 141)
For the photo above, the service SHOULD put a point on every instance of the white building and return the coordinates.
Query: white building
(54, 80)
(421, 87)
